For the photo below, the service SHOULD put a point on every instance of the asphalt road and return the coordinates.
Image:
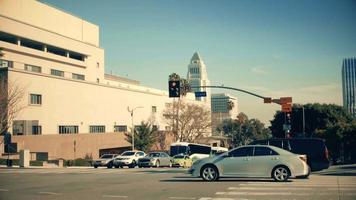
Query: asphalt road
(337, 183)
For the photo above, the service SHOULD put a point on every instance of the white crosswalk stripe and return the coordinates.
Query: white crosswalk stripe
(330, 188)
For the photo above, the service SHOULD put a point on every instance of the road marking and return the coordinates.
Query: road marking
(4, 190)
(50, 193)
(282, 193)
(114, 196)
(288, 188)
(182, 198)
(298, 185)
(219, 198)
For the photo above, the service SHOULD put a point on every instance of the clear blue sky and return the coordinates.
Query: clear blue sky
(271, 47)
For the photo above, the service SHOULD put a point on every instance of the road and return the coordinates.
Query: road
(336, 183)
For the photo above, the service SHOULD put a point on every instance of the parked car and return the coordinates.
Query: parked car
(105, 160)
(182, 161)
(252, 161)
(128, 158)
(155, 159)
(315, 149)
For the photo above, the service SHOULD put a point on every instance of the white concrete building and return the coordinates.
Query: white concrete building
(198, 76)
(56, 57)
(222, 110)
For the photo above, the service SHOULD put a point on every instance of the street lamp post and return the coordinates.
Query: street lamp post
(131, 111)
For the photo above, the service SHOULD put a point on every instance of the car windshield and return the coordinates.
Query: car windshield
(179, 156)
(128, 153)
(106, 156)
(153, 155)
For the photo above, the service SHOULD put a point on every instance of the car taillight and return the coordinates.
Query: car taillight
(326, 153)
(303, 158)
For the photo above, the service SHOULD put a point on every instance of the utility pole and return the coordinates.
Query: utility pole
(132, 125)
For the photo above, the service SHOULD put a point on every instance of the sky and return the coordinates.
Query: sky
(275, 48)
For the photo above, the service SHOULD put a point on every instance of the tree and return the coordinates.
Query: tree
(318, 117)
(11, 94)
(328, 121)
(191, 121)
(145, 137)
(243, 130)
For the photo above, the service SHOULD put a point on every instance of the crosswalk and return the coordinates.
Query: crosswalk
(327, 188)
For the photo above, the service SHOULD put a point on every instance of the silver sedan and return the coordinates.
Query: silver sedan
(252, 161)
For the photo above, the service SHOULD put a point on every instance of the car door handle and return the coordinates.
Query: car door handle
(275, 158)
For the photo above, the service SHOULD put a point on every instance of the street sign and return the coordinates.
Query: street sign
(200, 94)
(286, 108)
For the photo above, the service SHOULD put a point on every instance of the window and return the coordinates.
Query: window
(264, 151)
(154, 109)
(31, 44)
(5, 63)
(33, 68)
(35, 99)
(55, 72)
(78, 76)
(120, 128)
(8, 38)
(97, 129)
(68, 129)
(56, 50)
(276, 143)
(242, 152)
(76, 56)
(36, 130)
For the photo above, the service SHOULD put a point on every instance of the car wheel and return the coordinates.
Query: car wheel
(280, 173)
(133, 164)
(109, 165)
(157, 164)
(209, 173)
(95, 166)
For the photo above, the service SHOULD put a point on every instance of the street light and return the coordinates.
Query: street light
(132, 124)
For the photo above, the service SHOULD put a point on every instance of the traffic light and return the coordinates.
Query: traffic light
(289, 118)
(174, 88)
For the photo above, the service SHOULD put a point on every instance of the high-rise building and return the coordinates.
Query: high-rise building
(198, 76)
(349, 85)
(223, 107)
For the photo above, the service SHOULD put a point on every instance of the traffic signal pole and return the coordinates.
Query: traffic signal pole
(285, 102)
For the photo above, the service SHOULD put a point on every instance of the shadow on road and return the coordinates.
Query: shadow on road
(192, 179)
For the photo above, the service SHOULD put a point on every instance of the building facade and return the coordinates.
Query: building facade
(349, 85)
(57, 59)
(223, 107)
(197, 76)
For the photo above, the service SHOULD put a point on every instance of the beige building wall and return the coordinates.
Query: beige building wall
(67, 101)
(70, 147)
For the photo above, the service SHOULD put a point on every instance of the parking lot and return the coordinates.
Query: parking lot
(167, 183)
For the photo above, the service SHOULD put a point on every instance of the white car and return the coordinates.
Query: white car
(128, 158)
(252, 161)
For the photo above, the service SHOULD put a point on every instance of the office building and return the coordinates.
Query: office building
(198, 77)
(71, 108)
(223, 107)
(349, 85)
